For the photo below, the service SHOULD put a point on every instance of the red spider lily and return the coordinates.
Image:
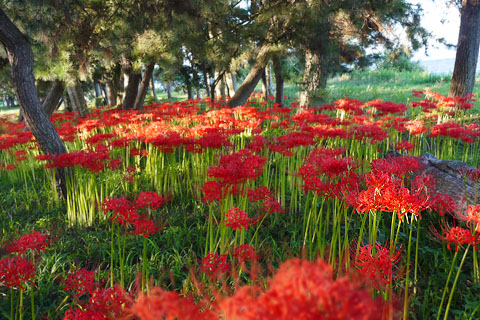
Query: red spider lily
(123, 210)
(99, 138)
(214, 265)
(114, 164)
(258, 144)
(456, 235)
(415, 127)
(113, 301)
(443, 203)
(271, 205)
(237, 219)
(149, 200)
(349, 106)
(245, 252)
(404, 145)
(258, 194)
(303, 290)
(144, 227)
(162, 304)
(213, 191)
(472, 174)
(369, 131)
(16, 272)
(325, 173)
(34, 241)
(377, 265)
(388, 107)
(237, 168)
(84, 314)
(472, 217)
(80, 282)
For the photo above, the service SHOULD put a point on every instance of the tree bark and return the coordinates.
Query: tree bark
(105, 94)
(142, 93)
(205, 79)
(279, 81)
(131, 81)
(20, 56)
(231, 83)
(241, 95)
(77, 98)
(51, 102)
(264, 84)
(463, 78)
(99, 100)
(112, 94)
(169, 90)
(154, 94)
(314, 77)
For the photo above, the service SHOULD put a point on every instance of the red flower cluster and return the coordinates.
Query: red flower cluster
(214, 265)
(80, 282)
(324, 172)
(456, 235)
(376, 264)
(16, 272)
(126, 213)
(237, 219)
(237, 168)
(34, 241)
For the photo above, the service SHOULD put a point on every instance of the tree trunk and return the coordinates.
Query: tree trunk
(142, 93)
(277, 68)
(463, 78)
(231, 83)
(20, 56)
(105, 94)
(51, 102)
(154, 94)
(111, 93)
(199, 95)
(169, 90)
(77, 98)
(314, 77)
(189, 90)
(98, 94)
(268, 79)
(205, 79)
(250, 82)
(264, 84)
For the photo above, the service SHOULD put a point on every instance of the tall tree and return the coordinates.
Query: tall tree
(463, 77)
(20, 56)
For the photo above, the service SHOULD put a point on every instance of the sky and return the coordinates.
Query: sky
(434, 13)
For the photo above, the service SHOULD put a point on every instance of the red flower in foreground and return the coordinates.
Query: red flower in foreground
(303, 290)
(16, 272)
(80, 314)
(34, 241)
(81, 281)
(214, 264)
(111, 301)
(456, 235)
(377, 266)
(300, 290)
(162, 304)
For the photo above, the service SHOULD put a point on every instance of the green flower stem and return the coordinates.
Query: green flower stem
(20, 307)
(455, 284)
(405, 300)
(445, 289)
